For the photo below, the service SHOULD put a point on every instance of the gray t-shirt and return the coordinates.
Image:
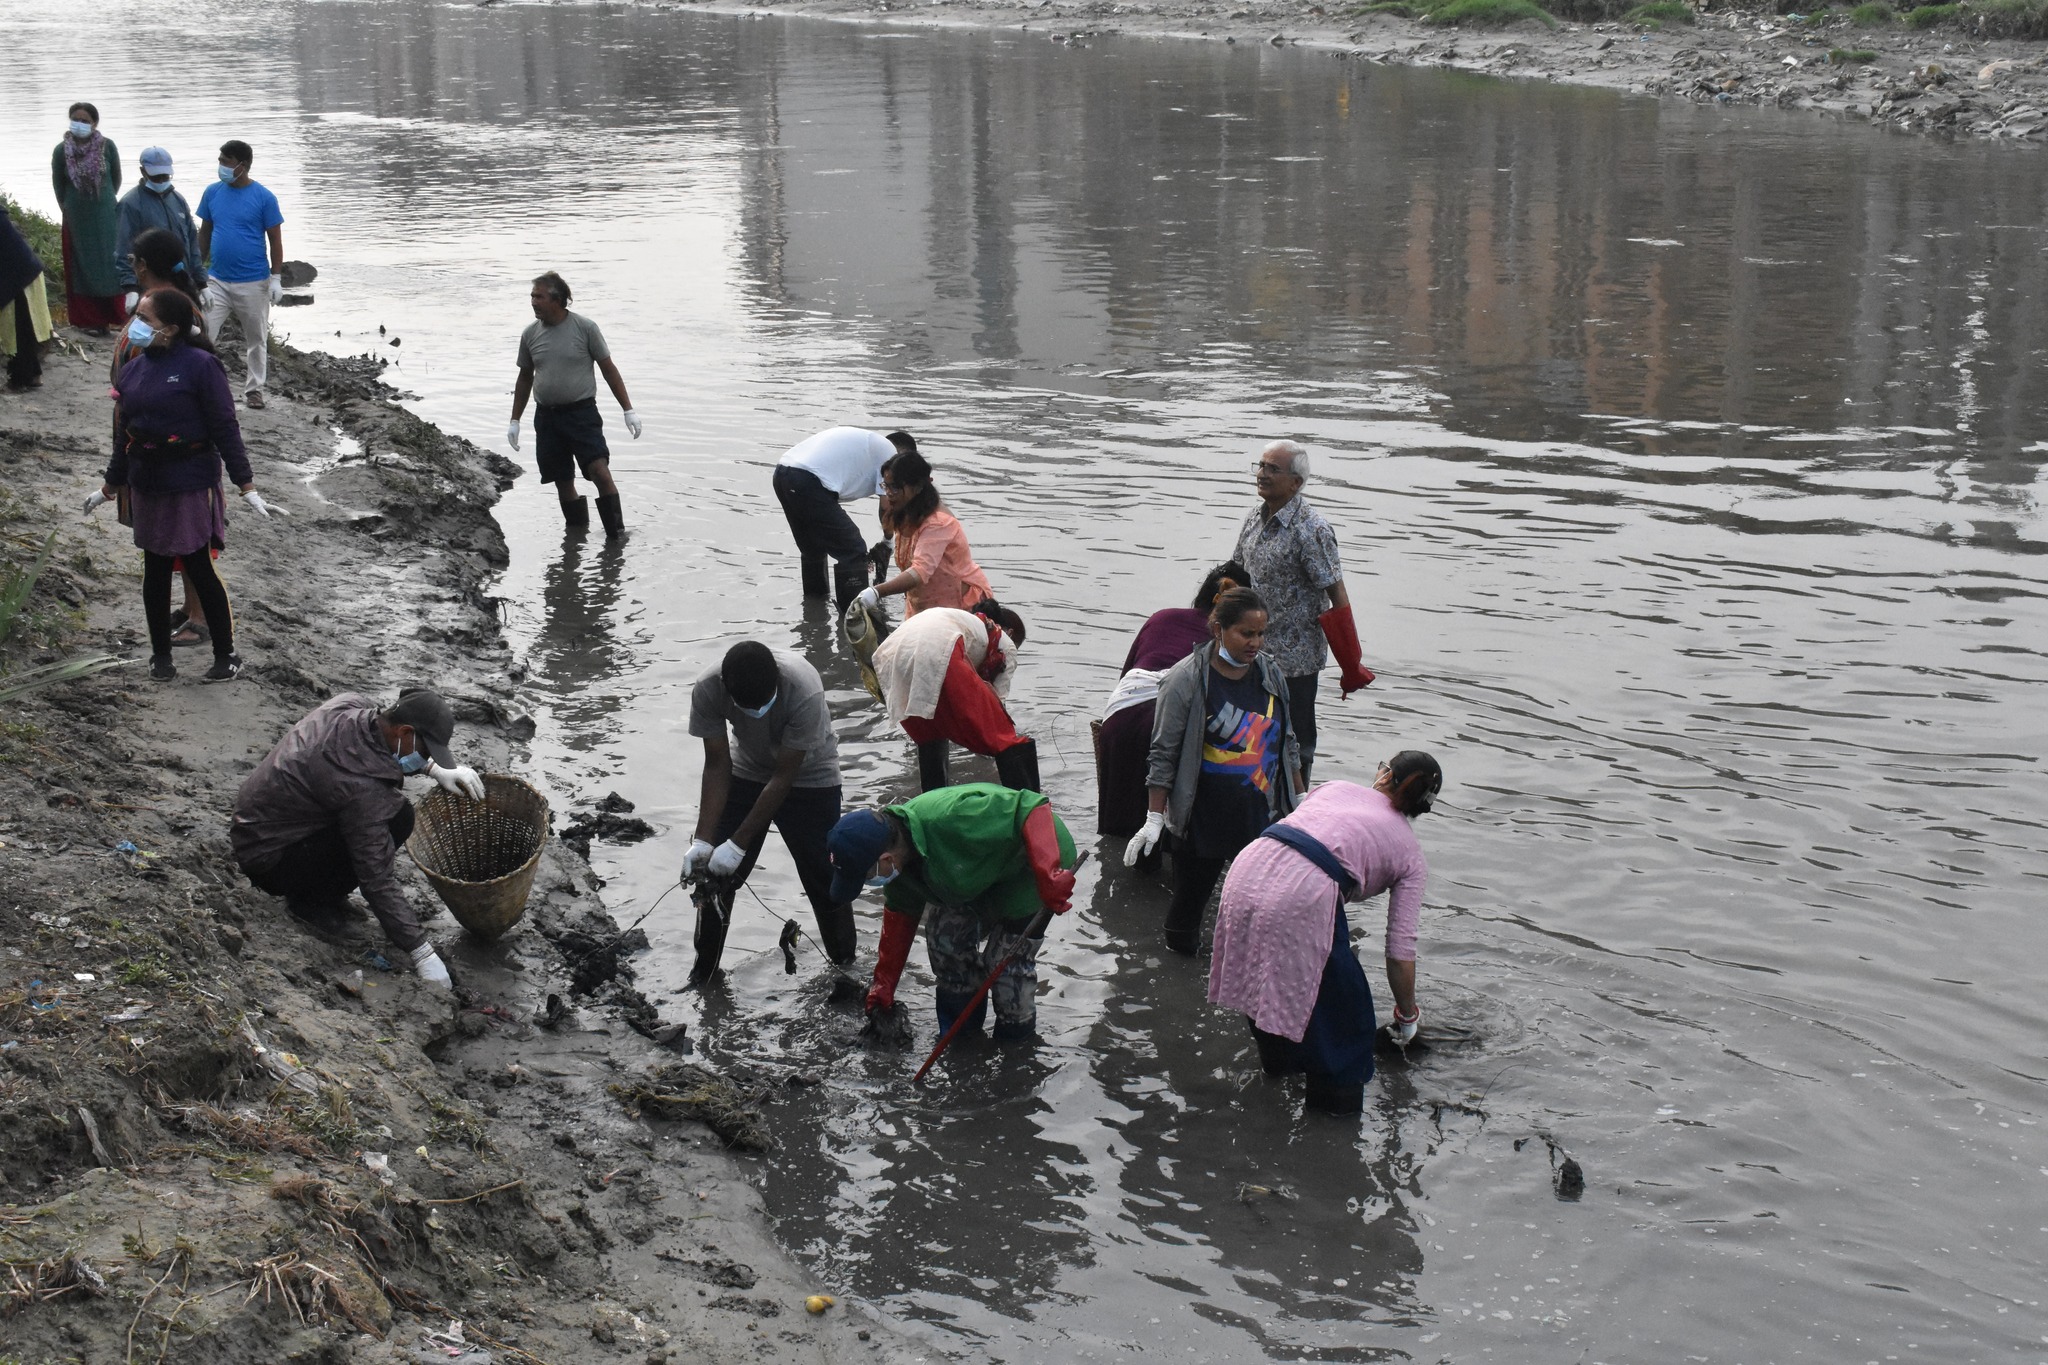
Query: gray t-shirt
(799, 719)
(561, 358)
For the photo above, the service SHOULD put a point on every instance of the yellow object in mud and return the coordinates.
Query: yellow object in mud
(864, 630)
(817, 1303)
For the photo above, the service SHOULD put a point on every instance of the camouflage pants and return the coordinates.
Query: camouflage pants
(964, 950)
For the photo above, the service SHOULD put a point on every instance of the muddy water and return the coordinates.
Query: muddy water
(1685, 465)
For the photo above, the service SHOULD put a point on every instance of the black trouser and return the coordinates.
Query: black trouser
(206, 586)
(25, 366)
(804, 820)
(1301, 708)
(318, 869)
(1193, 880)
(819, 522)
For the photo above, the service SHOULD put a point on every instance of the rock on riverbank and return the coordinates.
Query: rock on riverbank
(1945, 80)
(222, 1138)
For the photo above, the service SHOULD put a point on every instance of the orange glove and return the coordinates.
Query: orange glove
(898, 932)
(1342, 633)
(1042, 848)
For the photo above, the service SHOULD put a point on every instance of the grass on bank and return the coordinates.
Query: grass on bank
(1463, 13)
(1657, 13)
(1978, 18)
(1842, 56)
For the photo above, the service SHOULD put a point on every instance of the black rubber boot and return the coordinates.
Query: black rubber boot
(932, 771)
(1276, 1054)
(1327, 1097)
(849, 576)
(576, 511)
(1017, 767)
(1184, 932)
(813, 574)
(950, 1006)
(614, 519)
(836, 932)
(1015, 1030)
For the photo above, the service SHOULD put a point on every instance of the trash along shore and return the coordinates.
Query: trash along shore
(1952, 70)
(225, 1138)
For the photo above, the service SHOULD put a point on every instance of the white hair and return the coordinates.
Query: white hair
(1297, 457)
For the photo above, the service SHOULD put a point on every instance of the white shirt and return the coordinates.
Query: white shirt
(847, 460)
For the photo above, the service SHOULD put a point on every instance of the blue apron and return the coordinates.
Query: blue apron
(1338, 1041)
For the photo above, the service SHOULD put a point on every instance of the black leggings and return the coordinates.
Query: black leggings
(25, 366)
(206, 586)
(1194, 879)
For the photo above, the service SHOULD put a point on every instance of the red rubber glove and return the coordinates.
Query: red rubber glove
(898, 932)
(1342, 633)
(1042, 848)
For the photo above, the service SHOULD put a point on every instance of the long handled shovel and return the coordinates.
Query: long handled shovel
(1034, 929)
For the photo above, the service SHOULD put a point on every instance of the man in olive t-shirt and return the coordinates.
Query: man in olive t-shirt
(556, 353)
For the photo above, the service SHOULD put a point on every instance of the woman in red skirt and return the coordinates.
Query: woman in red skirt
(85, 172)
(943, 673)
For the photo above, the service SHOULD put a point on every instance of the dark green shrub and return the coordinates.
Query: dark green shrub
(1873, 15)
(1842, 56)
(1927, 16)
(1660, 12)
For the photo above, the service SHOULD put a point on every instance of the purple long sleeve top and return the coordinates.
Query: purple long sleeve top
(176, 424)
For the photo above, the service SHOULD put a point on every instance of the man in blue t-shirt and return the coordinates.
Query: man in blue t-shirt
(238, 220)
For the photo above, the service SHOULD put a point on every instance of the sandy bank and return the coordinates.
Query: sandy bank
(1941, 81)
(224, 1139)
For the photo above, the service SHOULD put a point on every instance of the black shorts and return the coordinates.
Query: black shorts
(570, 432)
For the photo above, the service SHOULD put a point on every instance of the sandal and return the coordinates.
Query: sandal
(190, 633)
(179, 618)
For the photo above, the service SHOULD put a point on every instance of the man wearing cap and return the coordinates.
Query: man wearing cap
(154, 204)
(781, 767)
(987, 859)
(325, 812)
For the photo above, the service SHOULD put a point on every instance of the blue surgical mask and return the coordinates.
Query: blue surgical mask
(226, 174)
(1227, 657)
(409, 764)
(762, 710)
(880, 880)
(140, 333)
(162, 186)
(80, 128)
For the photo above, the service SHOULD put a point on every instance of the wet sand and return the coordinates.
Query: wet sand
(223, 1138)
(1936, 81)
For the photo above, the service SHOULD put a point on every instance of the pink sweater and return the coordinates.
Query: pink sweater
(1274, 925)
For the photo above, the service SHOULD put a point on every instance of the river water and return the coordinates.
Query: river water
(1685, 464)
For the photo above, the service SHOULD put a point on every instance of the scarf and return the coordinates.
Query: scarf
(993, 664)
(84, 163)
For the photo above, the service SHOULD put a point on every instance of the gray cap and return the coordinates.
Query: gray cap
(431, 719)
(156, 159)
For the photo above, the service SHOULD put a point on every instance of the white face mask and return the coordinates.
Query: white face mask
(162, 186)
(1223, 653)
(81, 129)
(762, 710)
(226, 173)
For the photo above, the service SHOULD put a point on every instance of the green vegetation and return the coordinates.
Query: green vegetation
(1842, 56)
(2010, 18)
(1471, 13)
(1657, 13)
(1927, 16)
(154, 970)
(1873, 15)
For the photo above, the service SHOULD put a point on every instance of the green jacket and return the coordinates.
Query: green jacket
(970, 848)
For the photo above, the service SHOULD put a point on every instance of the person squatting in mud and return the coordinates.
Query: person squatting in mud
(976, 863)
(325, 812)
(943, 674)
(1283, 955)
(556, 353)
(780, 767)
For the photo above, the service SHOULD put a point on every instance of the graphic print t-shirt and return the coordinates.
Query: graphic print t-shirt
(1240, 764)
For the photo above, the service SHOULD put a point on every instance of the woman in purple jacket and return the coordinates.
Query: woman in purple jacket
(175, 429)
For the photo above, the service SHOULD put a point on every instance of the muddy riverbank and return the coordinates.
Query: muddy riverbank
(1951, 81)
(224, 1138)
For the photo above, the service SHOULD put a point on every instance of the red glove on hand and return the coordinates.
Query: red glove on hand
(1042, 848)
(1342, 633)
(898, 932)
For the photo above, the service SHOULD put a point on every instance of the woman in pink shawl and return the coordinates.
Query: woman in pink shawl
(1283, 953)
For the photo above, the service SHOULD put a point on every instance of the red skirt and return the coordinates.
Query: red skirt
(89, 310)
(969, 712)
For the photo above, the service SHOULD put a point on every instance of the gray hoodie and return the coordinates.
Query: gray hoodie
(332, 769)
(1178, 720)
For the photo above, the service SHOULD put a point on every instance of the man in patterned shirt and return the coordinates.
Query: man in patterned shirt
(1292, 554)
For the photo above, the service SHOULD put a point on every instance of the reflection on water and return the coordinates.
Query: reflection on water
(1684, 463)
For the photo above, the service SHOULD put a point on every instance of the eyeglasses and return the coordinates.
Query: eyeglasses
(1268, 467)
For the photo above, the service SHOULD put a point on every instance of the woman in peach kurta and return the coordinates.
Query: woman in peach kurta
(935, 567)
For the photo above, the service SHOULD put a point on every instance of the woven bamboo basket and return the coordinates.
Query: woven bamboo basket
(481, 855)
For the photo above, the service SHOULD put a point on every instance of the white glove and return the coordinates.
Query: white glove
(870, 598)
(512, 433)
(633, 423)
(727, 859)
(255, 500)
(276, 291)
(694, 860)
(426, 961)
(1402, 1031)
(128, 304)
(1146, 839)
(95, 500)
(460, 778)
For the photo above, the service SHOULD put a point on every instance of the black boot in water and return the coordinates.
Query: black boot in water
(836, 931)
(1325, 1096)
(812, 567)
(932, 772)
(614, 519)
(1017, 767)
(576, 511)
(848, 578)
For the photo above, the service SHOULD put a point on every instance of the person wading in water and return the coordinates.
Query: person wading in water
(556, 353)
